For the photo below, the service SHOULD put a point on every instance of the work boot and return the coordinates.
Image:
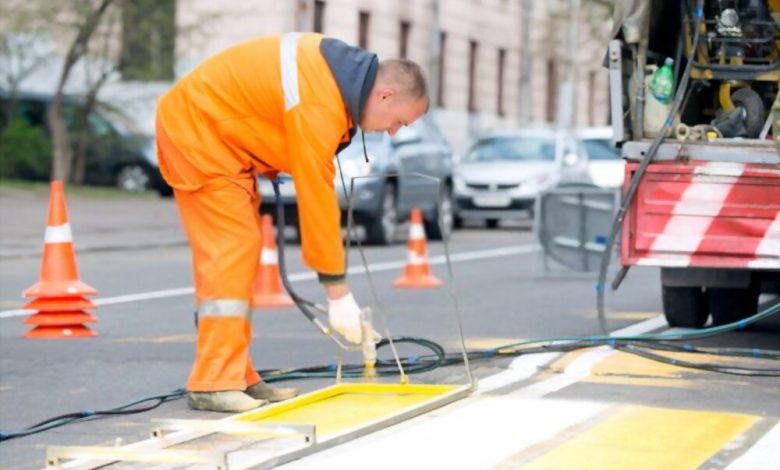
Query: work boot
(262, 391)
(230, 401)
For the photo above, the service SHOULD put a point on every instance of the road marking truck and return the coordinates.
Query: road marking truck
(703, 161)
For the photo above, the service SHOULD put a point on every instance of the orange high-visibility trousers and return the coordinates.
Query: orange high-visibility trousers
(223, 227)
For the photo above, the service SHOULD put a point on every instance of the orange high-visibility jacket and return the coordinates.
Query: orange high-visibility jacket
(282, 103)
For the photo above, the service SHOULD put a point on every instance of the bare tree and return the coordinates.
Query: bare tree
(24, 45)
(102, 64)
(88, 17)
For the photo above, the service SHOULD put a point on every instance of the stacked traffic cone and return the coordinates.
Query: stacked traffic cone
(268, 282)
(59, 294)
(417, 273)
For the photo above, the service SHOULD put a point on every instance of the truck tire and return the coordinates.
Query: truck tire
(728, 305)
(684, 306)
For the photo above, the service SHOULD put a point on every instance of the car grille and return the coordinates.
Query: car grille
(491, 187)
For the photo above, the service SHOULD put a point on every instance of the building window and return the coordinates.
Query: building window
(442, 63)
(472, 104)
(404, 39)
(500, 82)
(364, 19)
(148, 40)
(552, 90)
(319, 14)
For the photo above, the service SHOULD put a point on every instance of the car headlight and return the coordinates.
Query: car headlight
(458, 182)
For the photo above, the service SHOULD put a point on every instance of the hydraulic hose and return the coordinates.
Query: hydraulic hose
(305, 306)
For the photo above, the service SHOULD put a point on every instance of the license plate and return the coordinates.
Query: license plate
(492, 200)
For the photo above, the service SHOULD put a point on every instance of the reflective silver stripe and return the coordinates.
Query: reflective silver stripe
(224, 308)
(289, 61)
(58, 234)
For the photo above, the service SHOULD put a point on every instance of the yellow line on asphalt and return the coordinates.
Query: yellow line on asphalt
(631, 315)
(630, 369)
(648, 438)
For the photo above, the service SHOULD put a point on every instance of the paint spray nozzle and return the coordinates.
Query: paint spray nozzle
(370, 338)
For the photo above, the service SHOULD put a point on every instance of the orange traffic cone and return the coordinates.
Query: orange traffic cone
(417, 272)
(268, 282)
(59, 294)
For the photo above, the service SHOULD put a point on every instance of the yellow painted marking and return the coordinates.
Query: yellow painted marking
(481, 343)
(341, 407)
(630, 369)
(632, 315)
(648, 438)
(644, 381)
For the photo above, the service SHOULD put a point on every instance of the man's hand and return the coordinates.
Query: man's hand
(344, 315)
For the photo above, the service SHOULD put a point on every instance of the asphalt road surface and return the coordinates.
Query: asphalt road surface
(589, 408)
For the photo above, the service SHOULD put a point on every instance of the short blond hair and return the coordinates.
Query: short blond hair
(405, 75)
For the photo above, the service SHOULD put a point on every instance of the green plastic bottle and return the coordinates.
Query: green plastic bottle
(663, 82)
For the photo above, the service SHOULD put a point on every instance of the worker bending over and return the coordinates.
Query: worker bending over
(285, 103)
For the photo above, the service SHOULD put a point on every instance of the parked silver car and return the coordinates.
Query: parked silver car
(502, 173)
(386, 191)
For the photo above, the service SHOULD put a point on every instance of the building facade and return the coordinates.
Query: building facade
(491, 63)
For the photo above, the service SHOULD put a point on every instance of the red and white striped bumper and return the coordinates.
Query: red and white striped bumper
(704, 214)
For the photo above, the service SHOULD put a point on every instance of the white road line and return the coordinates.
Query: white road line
(763, 454)
(520, 369)
(306, 276)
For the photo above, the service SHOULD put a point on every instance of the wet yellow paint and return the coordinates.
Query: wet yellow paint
(648, 438)
(346, 406)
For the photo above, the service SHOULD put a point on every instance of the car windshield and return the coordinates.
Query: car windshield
(601, 149)
(513, 149)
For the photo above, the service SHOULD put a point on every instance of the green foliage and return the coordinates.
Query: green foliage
(25, 151)
(148, 39)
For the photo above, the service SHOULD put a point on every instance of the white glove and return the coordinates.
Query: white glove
(344, 316)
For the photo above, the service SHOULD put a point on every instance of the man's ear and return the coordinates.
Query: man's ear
(386, 92)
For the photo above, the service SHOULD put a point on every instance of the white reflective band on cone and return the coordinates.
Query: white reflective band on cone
(268, 256)
(415, 259)
(58, 234)
(289, 60)
(416, 232)
(224, 308)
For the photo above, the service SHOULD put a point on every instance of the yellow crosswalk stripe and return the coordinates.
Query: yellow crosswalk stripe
(644, 438)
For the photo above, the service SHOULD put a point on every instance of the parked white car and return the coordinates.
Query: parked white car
(501, 174)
